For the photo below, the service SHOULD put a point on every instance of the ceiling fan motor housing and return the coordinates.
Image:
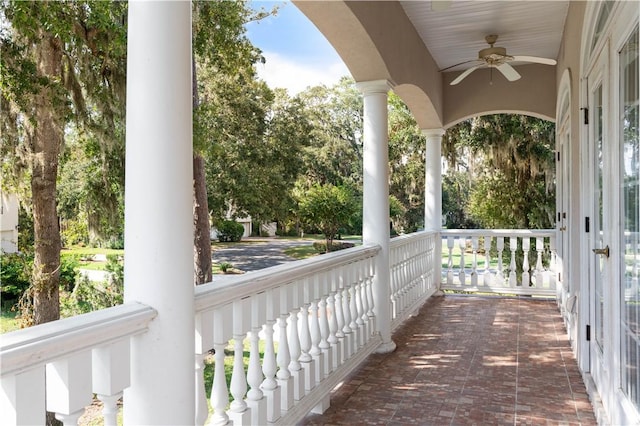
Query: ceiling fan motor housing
(494, 55)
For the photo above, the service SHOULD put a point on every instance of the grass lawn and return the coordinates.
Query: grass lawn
(8, 321)
(88, 251)
(301, 252)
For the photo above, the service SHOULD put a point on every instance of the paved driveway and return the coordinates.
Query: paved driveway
(257, 254)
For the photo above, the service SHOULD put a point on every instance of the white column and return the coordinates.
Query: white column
(433, 180)
(433, 193)
(158, 212)
(375, 210)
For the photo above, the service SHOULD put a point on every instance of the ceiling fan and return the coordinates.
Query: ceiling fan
(496, 57)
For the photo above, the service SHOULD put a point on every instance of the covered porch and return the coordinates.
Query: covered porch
(466, 360)
(310, 325)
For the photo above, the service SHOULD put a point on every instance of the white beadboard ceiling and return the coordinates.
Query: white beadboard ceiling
(454, 31)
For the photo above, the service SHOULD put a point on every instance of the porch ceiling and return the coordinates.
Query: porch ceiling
(409, 42)
(456, 33)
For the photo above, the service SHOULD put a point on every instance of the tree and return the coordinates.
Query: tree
(62, 62)
(510, 161)
(327, 207)
(406, 165)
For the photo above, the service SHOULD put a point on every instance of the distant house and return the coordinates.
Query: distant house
(9, 223)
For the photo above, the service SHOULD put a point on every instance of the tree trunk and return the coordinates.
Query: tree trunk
(202, 230)
(47, 141)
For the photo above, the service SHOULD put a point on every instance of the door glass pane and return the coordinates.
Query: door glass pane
(630, 210)
(598, 225)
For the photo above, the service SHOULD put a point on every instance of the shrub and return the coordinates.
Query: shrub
(230, 231)
(68, 271)
(15, 271)
(321, 246)
(225, 266)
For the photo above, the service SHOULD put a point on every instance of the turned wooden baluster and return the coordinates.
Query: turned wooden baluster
(539, 268)
(462, 245)
(474, 266)
(526, 276)
(499, 279)
(450, 244)
(513, 246)
(487, 261)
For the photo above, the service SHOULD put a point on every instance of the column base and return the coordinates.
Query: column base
(386, 348)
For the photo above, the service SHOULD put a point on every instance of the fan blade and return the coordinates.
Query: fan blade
(509, 72)
(461, 63)
(535, 60)
(464, 75)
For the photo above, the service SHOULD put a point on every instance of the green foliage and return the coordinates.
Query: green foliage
(230, 231)
(327, 207)
(406, 167)
(225, 267)
(15, 271)
(68, 271)
(87, 296)
(509, 162)
(25, 231)
(321, 246)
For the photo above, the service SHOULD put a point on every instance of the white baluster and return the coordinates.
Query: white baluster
(284, 355)
(539, 267)
(68, 387)
(314, 329)
(269, 367)
(238, 377)
(487, 261)
(552, 263)
(333, 324)
(295, 368)
(324, 323)
(305, 335)
(219, 390)
(346, 329)
(526, 276)
(365, 305)
(202, 411)
(513, 246)
(22, 398)
(450, 244)
(254, 372)
(474, 266)
(110, 376)
(110, 408)
(499, 280)
(370, 274)
(283, 359)
(353, 312)
(339, 315)
(462, 245)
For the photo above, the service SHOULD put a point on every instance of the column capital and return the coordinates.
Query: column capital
(374, 86)
(433, 133)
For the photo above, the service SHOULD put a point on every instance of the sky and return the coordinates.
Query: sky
(297, 54)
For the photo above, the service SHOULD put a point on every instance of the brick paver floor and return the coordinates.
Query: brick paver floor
(468, 360)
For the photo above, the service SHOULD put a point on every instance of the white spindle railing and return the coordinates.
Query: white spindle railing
(412, 258)
(521, 247)
(60, 365)
(322, 311)
(312, 320)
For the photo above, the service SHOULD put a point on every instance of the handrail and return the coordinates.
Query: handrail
(406, 238)
(241, 286)
(23, 349)
(498, 232)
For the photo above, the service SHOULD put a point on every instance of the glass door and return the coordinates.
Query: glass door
(629, 175)
(599, 219)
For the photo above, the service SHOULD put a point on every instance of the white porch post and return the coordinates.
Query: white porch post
(158, 212)
(375, 210)
(433, 192)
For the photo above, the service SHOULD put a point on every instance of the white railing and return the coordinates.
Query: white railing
(412, 259)
(58, 366)
(305, 325)
(511, 261)
(322, 312)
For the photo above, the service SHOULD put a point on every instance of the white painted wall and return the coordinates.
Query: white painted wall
(9, 223)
